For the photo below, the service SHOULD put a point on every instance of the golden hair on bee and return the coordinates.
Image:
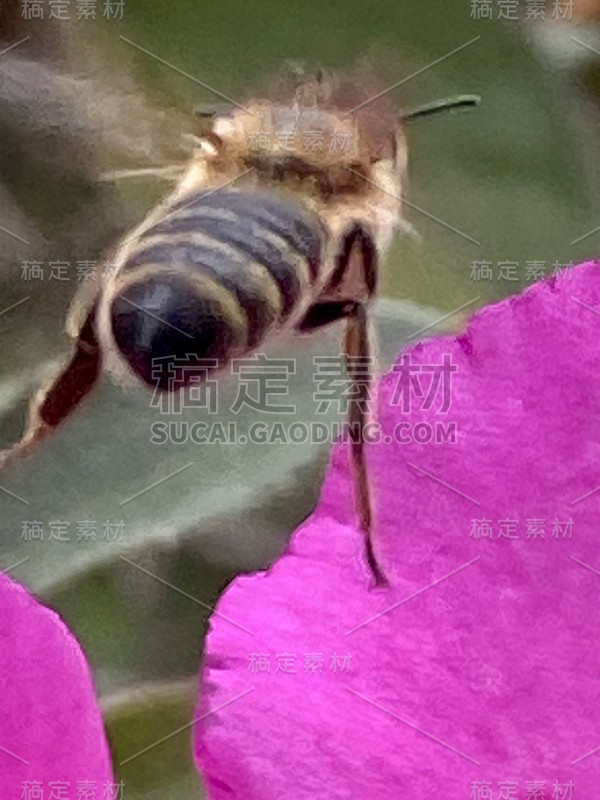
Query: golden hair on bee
(324, 123)
(277, 223)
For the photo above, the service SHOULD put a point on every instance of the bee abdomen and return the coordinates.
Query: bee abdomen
(289, 220)
(253, 289)
(212, 278)
(162, 327)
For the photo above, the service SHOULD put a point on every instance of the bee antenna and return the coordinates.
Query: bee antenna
(459, 103)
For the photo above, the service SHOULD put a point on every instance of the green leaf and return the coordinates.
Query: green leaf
(150, 732)
(142, 620)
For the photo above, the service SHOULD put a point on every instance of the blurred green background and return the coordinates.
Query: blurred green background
(519, 176)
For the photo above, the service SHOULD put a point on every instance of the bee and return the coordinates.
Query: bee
(277, 223)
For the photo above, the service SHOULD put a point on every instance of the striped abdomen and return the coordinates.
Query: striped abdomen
(211, 278)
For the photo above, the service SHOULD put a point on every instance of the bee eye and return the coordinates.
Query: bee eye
(210, 111)
(159, 321)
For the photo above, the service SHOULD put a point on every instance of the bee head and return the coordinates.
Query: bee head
(323, 131)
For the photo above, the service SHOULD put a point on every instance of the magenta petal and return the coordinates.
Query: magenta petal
(51, 731)
(477, 674)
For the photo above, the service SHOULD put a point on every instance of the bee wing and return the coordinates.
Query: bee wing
(86, 122)
(80, 125)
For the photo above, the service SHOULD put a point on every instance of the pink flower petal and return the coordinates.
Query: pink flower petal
(51, 730)
(480, 665)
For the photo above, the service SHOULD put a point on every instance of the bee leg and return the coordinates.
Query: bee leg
(357, 268)
(53, 404)
(355, 274)
(357, 350)
(325, 313)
